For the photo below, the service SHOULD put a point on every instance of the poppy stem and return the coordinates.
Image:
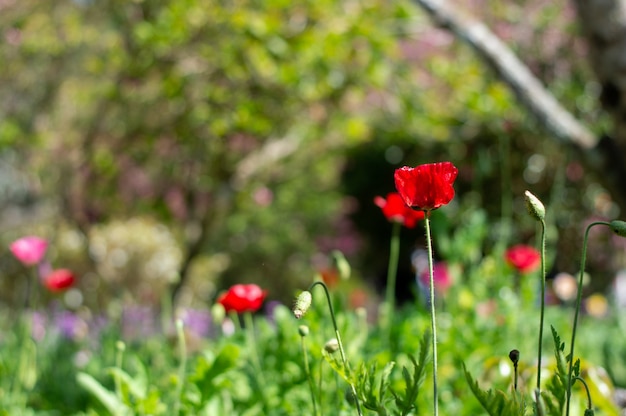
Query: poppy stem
(256, 361)
(583, 258)
(433, 322)
(303, 333)
(341, 350)
(392, 271)
(543, 302)
(182, 344)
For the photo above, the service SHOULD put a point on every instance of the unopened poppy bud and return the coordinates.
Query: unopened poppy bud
(534, 206)
(331, 346)
(218, 313)
(349, 396)
(303, 330)
(618, 227)
(514, 356)
(302, 304)
(342, 264)
(589, 412)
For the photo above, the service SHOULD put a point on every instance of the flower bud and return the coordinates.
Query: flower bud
(534, 206)
(331, 346)
(302, 304)
(514, 356)
(342, 265)
(349, 396)
(618, 227)
(218, 313)
(303, 330)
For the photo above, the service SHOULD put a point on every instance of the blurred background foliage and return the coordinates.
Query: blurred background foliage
(171, 148)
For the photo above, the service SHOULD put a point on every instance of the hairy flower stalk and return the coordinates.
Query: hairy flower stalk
(617, 227)
(538, 211)
(180, 335)
(426, 188)
(433, 320)
(302, 305)
(392, 271)
(303, 330)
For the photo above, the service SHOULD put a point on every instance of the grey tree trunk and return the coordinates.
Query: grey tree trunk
(604, 25)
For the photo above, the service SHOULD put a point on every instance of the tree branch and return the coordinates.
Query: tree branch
(531, 93)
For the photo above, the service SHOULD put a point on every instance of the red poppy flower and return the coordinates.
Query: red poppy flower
(524, 258)
(426, 187)
(242, 298)
(59, 280)
(396, 210)
(29, 250)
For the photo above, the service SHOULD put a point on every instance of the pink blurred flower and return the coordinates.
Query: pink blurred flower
(524, 258)
(29, 250)
(441, 278)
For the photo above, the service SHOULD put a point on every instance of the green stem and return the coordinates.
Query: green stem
(119, 356)
(543, 301)
(307, 371)
(341, 350)
(256, 361)
(589, 404)
(583, 259)
(392, 271)
(183, 364)
(433, 321)
(506, 207)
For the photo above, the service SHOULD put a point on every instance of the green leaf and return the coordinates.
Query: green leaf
(108, 399)
(407, 401)
(496, 403)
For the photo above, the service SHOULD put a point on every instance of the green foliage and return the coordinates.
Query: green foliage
(558, 383)
(496, 402)
(406, 400)
(373, 387)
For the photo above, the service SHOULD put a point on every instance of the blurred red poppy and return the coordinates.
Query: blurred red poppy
(59, 280)
(29, 250)
(524, 258)
(395, 210)
(242, 298)
(426, 187)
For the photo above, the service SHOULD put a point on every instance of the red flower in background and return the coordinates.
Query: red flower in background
(29, 250)
(524, 258)
(426, 187)
(395, 210)
(242, 298)
(59, 280)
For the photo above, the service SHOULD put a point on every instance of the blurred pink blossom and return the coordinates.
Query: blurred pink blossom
(441, 278)
(29, 250)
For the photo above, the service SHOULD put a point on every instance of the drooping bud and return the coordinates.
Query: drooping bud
(302, 304)
(331, 346)
(618, 227)
(303, 330)
(534, 206)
